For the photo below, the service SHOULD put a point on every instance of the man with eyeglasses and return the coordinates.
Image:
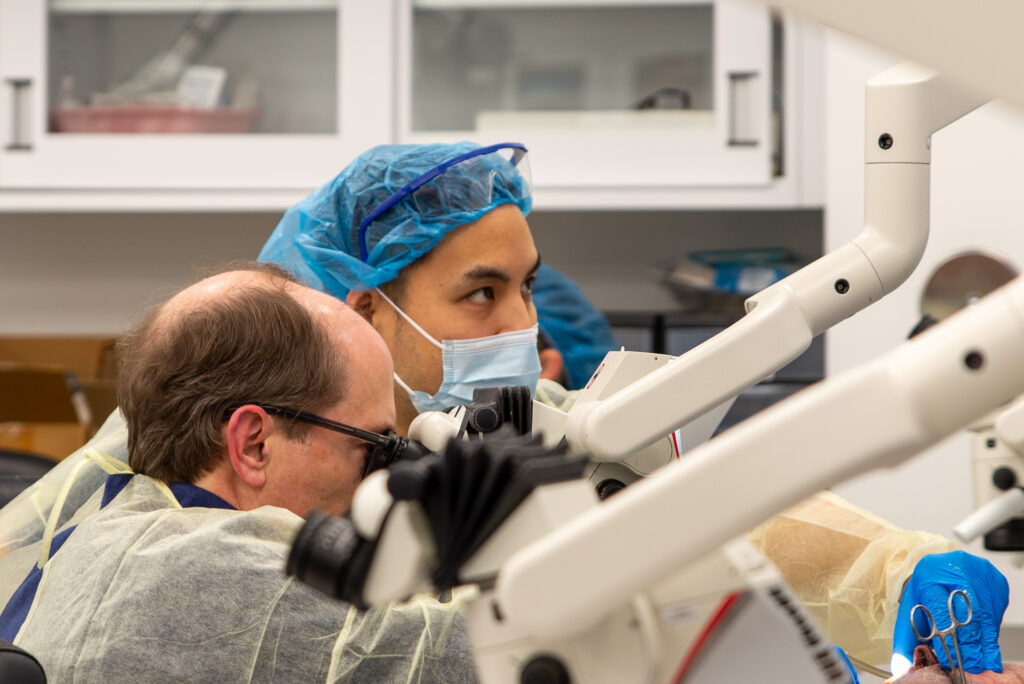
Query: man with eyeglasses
(249, 400)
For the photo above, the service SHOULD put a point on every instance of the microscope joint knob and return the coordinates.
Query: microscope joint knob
(1004, 478)
(544, 669)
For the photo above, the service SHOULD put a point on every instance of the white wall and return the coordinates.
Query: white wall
(977, 201)
(92, 274)
(89, 274)
(620, 257)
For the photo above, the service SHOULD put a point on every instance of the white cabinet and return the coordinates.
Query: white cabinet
(604, 93)
(662, 103)
(95, 93)
(164, 104)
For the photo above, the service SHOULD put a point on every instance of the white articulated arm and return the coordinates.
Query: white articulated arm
(991, 515)
(873, 416)
(905, 105)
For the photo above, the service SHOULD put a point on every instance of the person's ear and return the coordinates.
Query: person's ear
(552, 364)
(363, 303)
(246, 437)
(378, 313)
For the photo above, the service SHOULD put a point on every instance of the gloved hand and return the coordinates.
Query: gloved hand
(934, 577)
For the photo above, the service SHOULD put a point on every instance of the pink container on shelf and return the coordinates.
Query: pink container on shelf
(151, 119)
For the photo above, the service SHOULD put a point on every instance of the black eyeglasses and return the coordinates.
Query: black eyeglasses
(387, 448)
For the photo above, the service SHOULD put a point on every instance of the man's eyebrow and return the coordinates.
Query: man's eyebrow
(492, 273)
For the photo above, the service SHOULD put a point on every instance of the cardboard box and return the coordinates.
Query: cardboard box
(52, 441)
(54, 392)
(90, 358)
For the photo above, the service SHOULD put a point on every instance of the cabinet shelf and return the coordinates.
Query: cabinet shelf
(781, 195)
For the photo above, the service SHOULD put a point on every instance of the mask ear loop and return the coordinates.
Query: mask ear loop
(411, 322)
(420, 330)
(401, 383)
(109, 465)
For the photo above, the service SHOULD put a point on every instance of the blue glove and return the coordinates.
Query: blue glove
(934, 577)
(850, 669)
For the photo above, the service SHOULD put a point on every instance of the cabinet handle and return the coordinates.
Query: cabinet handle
(743, 123)
(21, 119)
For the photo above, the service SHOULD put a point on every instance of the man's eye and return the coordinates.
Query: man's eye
(481, 295)
(528, 285)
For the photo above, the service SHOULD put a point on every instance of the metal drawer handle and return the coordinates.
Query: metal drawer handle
(21, 119)
(743, 125)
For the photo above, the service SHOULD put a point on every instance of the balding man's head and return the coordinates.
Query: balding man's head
(244, 336)
(220, 287)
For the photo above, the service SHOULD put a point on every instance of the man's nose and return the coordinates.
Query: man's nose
(517, 313)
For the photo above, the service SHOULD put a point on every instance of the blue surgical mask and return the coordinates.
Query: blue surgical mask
(497, 361)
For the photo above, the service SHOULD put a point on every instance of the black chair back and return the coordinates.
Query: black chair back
(19, 469)
(18, 665)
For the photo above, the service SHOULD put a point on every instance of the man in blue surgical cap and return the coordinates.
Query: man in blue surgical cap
(431, 244)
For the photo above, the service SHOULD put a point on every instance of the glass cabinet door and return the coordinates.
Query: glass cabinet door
(188, 93)
(653, 94)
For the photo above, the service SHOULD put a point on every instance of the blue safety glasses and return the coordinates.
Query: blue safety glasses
(387, 448)
(437, 197)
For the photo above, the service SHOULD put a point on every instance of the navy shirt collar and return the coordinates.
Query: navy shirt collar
(188, 495)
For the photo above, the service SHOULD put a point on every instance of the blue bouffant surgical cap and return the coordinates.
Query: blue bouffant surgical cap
(318, 239)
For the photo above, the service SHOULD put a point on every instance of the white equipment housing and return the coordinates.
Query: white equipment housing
(997, 448)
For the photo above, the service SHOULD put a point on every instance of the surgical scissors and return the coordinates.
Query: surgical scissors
(956, 670)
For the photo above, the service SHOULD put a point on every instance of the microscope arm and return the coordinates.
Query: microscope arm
(990, 516)
(907, 103)
(877, 415)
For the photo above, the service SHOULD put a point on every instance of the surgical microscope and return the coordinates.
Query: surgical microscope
(564, 588)
(650, 585)
(635, 399)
